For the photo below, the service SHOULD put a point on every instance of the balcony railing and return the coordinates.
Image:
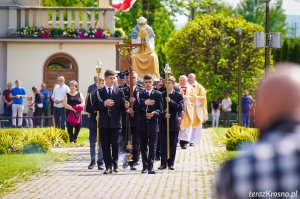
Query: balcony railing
(60, 17)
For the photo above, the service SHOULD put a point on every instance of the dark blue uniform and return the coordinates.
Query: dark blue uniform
(110, 123)
(175, 110)
(92, 126)
(149, 128)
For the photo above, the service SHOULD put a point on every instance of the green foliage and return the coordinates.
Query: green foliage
(31, 140)
(254, 11)
(208, 47)
(290, 51)
(238, 135)
(57, 32)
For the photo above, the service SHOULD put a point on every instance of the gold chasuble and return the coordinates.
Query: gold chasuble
(200, 105)
(144, 59)
(188, 116)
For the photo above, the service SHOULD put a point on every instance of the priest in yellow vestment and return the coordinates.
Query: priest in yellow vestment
(200, 109)
(144, 59)
(188, 116)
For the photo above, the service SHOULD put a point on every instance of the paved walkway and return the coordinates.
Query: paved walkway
(193, 178)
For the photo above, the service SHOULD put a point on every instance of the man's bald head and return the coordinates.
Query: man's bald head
(278, 96)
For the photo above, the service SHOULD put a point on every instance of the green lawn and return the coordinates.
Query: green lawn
(221, 133)
(219, 137)
(82, 139)
(18, 167)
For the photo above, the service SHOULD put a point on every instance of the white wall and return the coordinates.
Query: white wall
(3, 32)
(26, 60)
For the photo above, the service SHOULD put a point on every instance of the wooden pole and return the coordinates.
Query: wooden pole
(168, 119)
(98, 70)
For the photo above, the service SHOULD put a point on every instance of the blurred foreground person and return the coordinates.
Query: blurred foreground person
(271, 169)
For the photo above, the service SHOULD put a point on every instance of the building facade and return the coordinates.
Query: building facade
(36, 60)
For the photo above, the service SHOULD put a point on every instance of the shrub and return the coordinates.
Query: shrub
(3, 150)
(56, 137)
(238, 136)
(31, 140)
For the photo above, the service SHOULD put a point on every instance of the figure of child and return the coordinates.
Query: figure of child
(30, 110)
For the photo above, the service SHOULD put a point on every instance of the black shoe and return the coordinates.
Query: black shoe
(151, 172)
(132, 167)
(162, 167)
(75, 141)
(100, 167)
(108, 171)
(184, 147)
(157, 158)
(171, 168)
(92, 164)
(116, 170)
(191, 144)
(144, 171)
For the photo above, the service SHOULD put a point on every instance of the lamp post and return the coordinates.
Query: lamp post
(239, 32)
(98, 71)
(267, 31)
(167, 71)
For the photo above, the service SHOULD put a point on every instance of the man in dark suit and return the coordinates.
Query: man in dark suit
(175, 101)
(93, 127)
(111, 103)
(150, 108)
(125, 119)
(134, 119)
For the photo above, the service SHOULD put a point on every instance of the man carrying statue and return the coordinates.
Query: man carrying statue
(144, 59)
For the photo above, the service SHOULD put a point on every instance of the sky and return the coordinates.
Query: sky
(291, 7)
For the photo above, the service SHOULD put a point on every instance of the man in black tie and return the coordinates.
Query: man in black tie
(111, 103)
(175, 101)
(150, 108)
(134, 116)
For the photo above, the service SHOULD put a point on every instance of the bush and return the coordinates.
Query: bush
(56, 137)
(238, 136)
(31, 140)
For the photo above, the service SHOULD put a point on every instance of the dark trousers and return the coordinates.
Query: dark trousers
(73, 131)
(148, 140)
(158, 152)
(59, 117)
(8, 113)
(163, 147)
(226, 118)
(37, 116)
(135, 145)
(93, 140)
(45, 113)
(110, 144)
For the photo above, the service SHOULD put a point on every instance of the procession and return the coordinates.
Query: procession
(98, 94)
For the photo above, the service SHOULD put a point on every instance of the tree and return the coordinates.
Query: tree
(254, 11)
(207, 46)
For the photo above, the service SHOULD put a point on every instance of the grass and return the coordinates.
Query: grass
(221, 133)
(19, 167)
(82, 139)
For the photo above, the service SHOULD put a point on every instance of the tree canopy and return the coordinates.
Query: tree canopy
(207, 46)
(254, 11)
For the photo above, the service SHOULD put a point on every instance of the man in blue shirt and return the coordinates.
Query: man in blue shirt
(17, 94)
(45, 94)
(246, 108)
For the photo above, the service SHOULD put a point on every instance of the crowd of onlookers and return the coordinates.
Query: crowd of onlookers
(37, 104)
(223, 109)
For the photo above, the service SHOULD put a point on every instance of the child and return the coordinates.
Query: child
(30, 111)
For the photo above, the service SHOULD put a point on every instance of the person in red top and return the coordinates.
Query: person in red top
(7, 103)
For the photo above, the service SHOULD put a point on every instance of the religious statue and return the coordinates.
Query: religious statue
(144, 58)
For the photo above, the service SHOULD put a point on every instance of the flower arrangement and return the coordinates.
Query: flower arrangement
(78, 33)
(119, 32)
